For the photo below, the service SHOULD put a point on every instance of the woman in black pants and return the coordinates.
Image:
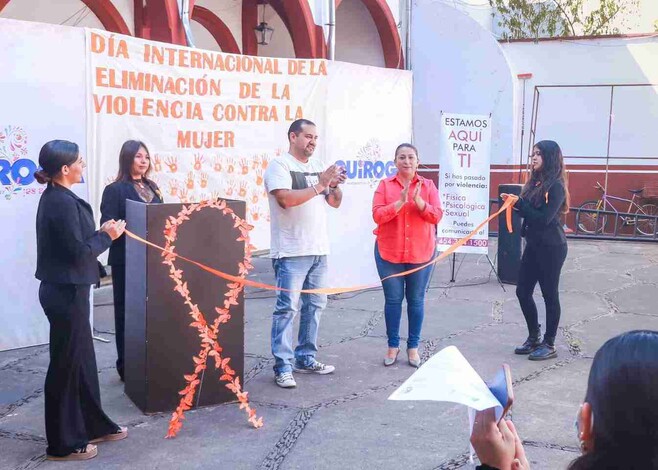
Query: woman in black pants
(131, 183)
(543, 199)
(67, 247)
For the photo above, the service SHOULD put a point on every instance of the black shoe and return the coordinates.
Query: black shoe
(532, 343)
(543, 352)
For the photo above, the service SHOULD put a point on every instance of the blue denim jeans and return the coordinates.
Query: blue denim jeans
(415, 285)
(296, 273)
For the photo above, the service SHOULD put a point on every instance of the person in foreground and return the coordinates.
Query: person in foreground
(132, 183)
(406, 209)
(67, 247)
(299, 189)
(543, 199)
(617, 425)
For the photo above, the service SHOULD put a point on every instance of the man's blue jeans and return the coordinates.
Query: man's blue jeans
(296, 273)
(394, 293)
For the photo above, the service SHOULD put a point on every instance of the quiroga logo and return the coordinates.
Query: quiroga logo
(16, 168)
(367, 167)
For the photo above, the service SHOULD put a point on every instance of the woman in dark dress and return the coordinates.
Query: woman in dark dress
(131, 183)
(67, 247)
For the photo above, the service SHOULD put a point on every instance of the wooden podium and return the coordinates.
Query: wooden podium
(159, 341)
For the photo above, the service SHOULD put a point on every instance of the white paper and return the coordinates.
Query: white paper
(447, 376)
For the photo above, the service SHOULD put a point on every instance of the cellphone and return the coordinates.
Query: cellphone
(501, 388)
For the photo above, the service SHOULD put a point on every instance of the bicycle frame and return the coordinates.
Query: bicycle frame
(605, 200)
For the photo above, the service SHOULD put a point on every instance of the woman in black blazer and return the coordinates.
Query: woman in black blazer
(67, 247)
(131, 183)
(543, 200)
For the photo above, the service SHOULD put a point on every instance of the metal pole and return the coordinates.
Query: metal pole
(408, 37)
(331, 43)
(607, 153)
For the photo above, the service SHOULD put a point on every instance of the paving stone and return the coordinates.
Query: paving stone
(593, 281)
(18, 452)
(391, 435)
(486, 349)
(18, 356)
(104, 320)
(647, 274)
(15, 386)
(343, 420)
(217, 437)
(619, 262)
(638, 298)
(359, 369)
(593, 334)
(544, 409)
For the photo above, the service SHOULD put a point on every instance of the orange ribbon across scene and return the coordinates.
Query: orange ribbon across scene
(506, 207)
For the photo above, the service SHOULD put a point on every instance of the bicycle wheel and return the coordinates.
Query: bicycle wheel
(647, 226)
(590, 222)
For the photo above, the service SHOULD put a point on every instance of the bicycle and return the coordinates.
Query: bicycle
(594, 222)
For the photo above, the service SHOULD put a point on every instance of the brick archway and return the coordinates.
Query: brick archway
(217, 28)
(388, 32)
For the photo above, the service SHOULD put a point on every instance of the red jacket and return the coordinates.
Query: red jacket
(408, 236)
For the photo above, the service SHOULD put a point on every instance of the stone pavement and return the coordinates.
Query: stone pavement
(344, 420)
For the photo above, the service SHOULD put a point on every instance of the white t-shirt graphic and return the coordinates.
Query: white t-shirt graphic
(299, 230)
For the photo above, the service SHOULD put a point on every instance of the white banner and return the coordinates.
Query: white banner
(213, 121)
(41, 98)
(363, 130)
(465, 157)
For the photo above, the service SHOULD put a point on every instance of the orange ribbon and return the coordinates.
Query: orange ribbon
(506, 207)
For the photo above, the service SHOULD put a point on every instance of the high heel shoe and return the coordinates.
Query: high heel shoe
(415, 362)
(388, 361)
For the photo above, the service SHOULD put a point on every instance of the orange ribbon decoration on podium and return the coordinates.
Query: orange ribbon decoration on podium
(210, 347)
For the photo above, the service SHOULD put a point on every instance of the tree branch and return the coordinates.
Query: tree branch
(573, 30)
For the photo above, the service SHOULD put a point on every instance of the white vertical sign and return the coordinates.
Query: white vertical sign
(41, 98)
(465, 157)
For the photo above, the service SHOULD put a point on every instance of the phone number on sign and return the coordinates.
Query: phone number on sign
(471, 242)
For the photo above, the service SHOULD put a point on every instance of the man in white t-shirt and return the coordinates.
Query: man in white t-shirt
(299, 189)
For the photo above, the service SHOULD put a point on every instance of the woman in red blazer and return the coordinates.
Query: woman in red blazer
(406, 209)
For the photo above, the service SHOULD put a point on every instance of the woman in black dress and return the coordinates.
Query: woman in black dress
(67, 247)
(131, 183)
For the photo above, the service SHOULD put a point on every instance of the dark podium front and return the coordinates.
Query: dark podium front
(159, 341)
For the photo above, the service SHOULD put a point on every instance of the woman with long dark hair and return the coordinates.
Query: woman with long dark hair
(406, 209)
(132, 183)
(67, 247)
(617, 425)
(543, 199)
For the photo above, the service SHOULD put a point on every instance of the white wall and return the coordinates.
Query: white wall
(578, 117)
(230, 12)
(66, 12)
(202, 38)
(357, 39)
(281, 44)
(459, 67)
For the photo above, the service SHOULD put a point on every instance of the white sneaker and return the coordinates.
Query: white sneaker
(285, 380)
(315, 368)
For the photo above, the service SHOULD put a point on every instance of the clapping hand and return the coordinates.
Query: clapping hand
(404, 194)
(418, 199)
(328, 176)
(339, 178)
